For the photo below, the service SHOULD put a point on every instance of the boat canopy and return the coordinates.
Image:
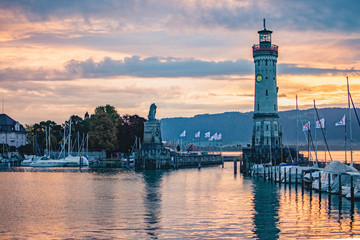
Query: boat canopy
(336, 166)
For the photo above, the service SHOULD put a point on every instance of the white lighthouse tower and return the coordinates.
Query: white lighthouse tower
(266, 126)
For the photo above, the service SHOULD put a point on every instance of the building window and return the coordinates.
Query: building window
(267, 127)
(274, 106)
(267, 141)
(258, 62)
(266, 62)
(258, 107)
(266, 93)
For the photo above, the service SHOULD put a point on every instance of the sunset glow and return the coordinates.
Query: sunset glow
(189, 57)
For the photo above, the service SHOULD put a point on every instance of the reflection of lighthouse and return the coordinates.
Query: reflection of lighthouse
(266, 207)
(266, 127)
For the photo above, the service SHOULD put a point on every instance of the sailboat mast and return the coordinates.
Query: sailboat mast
(69, 144)
(46, 140)
(49, 142)
(350, 128)
(315, 126)
(297, 129)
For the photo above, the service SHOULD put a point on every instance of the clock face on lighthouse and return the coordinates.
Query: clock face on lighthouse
(258, 78)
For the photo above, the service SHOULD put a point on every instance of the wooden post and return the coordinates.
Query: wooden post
(311, 180)
(296, 177)
(340, 187)
(352, 190)
(352, 193)
(329, 186)
(302, 182)
(264, 173)
(235, 165)
(222, 161)
(284, 175)
(319, 183)
(271, 173)
(279, 175)
(290, 176)
(275, 174)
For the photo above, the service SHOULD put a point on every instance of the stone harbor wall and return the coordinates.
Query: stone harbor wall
(157, 157)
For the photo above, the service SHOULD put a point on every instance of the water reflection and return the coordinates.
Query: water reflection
(152, 202)
(266, 205)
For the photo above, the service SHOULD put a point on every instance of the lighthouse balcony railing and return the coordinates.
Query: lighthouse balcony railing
(271, 47)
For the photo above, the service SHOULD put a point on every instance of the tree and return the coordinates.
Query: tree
(39, 133)
(132, 127)
(113, 114)
(103, 132)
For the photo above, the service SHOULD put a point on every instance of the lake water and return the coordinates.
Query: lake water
(210, 203)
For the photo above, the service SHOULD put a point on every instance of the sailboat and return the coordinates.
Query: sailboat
(69, 160)
(334, 169)
(46, 161)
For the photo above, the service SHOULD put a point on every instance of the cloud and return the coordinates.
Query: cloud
(288, 14)
(293, 69)
(157, 67)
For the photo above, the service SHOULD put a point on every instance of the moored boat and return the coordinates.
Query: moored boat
(47, 162)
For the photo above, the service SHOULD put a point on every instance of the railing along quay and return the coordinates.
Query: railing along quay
(274, 174)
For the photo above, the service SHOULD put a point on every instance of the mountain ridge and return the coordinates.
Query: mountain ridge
(236, 127)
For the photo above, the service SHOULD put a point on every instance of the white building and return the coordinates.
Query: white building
(11, 132)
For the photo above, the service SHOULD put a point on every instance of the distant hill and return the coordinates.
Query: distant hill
(236, 127)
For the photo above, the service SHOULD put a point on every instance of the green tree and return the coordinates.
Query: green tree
(132, 127)
(39, 132)
(103, 132)
(111, 111)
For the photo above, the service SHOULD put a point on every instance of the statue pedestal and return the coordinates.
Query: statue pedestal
(152, 132)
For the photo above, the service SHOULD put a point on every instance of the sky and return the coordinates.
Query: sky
(64, 57)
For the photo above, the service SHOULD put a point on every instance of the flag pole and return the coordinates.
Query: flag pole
(297, 129)
(351, 152)
(345, 144)
(316, 159)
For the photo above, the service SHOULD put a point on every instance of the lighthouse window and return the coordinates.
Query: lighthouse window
(266, 93)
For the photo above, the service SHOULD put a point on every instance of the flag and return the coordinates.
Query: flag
(183, 134)
(197, 134)
(341, 122)
(306, 127)
(207, 135)
(219, 136)
(214, 137)
(320, 123)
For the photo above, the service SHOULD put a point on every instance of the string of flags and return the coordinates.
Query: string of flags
(321, 123)
(216, 136)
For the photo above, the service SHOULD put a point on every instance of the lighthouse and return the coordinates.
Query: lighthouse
(266, 144)
(266, 125)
